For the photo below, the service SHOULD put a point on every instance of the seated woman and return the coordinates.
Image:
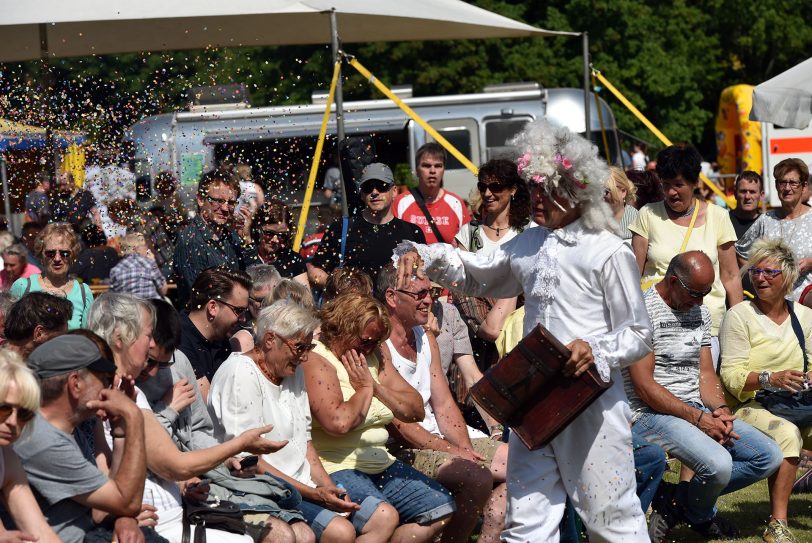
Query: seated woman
(124, 325)
(266, 385)
(760, 350)
(19, 401)
(57, 248)
(353, 396)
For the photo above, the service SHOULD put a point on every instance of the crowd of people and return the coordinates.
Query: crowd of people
(326, 394)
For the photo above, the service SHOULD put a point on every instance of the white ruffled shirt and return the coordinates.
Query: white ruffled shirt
(578, 283)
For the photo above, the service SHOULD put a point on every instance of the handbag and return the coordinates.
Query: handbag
(217, 515)
(795, 407)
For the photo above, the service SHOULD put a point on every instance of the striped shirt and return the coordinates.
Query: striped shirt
(678, 337)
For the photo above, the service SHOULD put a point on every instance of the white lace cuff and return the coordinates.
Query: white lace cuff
(600, 359)
(438, 259)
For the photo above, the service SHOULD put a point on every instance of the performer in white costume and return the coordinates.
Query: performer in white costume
(581, 281)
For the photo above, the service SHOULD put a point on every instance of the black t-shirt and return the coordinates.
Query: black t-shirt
(205, 356)
(741, 225)
(288, 263)
(369, 246)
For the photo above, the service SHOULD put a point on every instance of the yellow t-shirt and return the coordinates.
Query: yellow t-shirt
(665, 239)
(364, 447)
(751, 342)
(512, 332)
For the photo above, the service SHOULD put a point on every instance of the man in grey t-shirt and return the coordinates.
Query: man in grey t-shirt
(679, 404)
(75, 387)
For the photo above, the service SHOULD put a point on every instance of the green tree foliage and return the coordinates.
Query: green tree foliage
(671, 59)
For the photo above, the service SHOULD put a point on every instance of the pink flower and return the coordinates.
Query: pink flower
(567, 163)
(523, 162)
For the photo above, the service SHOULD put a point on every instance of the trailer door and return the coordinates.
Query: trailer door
(464, 135)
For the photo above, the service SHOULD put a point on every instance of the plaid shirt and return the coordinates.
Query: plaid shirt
(137, 275)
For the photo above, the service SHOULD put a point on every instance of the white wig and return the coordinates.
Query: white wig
(565, 164)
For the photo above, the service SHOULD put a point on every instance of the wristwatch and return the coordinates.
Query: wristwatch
(764, 379)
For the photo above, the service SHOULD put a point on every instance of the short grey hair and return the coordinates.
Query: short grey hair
(116, 311)
(7, 300)
(18, 250)
(286, 319)
(263, 275)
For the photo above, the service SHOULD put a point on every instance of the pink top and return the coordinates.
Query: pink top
(28, 271)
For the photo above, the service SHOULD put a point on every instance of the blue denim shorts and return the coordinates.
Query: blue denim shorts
(415, 497)
(317, 517)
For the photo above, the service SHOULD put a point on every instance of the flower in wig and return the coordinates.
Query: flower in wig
(565, 164)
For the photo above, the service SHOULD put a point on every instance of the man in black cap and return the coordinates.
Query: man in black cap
(372, 237)
(76, 386)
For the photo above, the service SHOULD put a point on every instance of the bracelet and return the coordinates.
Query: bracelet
(699, 419)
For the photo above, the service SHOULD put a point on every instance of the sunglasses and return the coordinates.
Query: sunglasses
(271, 233)
(221, 202)
(50, 254)
(23, 414)
(299, 348)
(416, 296)
(239, 311)
(691, 292)
(161, 365)
(495, 188)
(769, 273)
(375, 185)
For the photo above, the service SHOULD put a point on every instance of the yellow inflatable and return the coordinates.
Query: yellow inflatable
(738, 139)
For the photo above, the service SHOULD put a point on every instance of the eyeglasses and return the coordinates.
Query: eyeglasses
(416, 296)
(221, 202)
(299, 348)
(789, 183)
(239, 311)
(769, 273)
(23, 414)
(375, 184)
(495, 188)
(50, 254)
(271, 233)
(161, 365)
(691, 292)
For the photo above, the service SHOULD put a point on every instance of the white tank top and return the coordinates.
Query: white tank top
(418, 375)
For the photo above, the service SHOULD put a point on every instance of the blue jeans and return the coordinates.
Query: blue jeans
(415, 497)
(718, 469)
(649, 466)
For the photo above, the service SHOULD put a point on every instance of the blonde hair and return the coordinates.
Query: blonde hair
(618, 181)
(288, 289)
(132, 242)
(13, 371)
(778, 250)
(61, 230)
(344, 318)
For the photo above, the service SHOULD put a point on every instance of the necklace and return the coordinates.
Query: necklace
(264, 370)
(496, 229)
(685, 213)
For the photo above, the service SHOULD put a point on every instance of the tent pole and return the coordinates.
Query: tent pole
(339, 98)
(6, 197)
(587, 93)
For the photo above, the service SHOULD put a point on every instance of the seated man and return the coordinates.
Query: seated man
(442, 446)
(75, 382)
(34, 319)
(678, 403)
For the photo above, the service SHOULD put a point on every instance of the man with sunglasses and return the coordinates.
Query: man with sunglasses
(218, 304)
(679, 404)
(442, 212)
(215, 236)
(372, 237)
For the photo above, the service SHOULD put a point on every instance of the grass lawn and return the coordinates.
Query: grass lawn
(749, 509)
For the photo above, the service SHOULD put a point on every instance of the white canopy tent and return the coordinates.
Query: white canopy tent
(786, 99)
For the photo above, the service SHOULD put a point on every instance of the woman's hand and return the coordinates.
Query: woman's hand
(180, 396)
(195, 490)
(357, 370)
(254, 443)
(792, 380)
(335, 499)
(148, 517)
(432, 326)
(580, 358)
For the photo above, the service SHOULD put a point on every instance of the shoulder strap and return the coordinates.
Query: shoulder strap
(418, 198)
(691, 227)
(475, 241)
(27, 286)
(345, 226)
(799, 333)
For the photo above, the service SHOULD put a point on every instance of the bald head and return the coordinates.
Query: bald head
(688, 280)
